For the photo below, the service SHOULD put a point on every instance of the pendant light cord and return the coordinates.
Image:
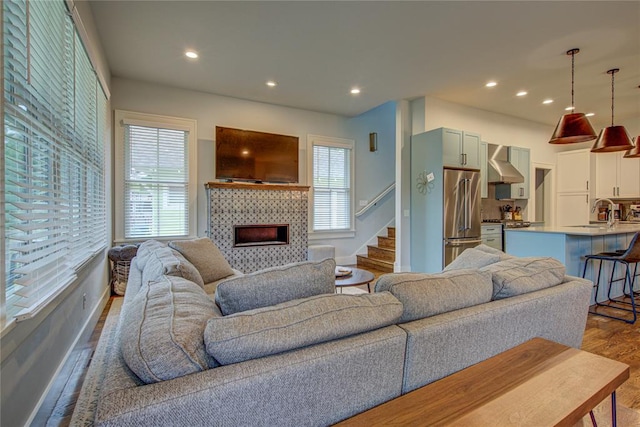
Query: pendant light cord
(573, 59)
(612, 92)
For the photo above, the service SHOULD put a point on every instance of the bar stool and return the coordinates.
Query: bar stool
(629, 256)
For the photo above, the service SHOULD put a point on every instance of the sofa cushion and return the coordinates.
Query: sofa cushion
(162, 330)
(276, 285)
(472, 258)
(205, 256)
(170, 262)
(145, 249)
(298, 323)
(517, 276)
(424, 295)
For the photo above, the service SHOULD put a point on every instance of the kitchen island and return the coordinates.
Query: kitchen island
(569, 245)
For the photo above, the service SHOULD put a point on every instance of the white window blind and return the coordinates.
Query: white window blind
(156, 182)
(55, 117)
(331, 187)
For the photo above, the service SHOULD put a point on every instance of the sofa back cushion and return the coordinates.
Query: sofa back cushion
(205, 256)
(424, 295)
(517, 276)
(162, 330)
(276, 285)
(298, 323)
(165, 260)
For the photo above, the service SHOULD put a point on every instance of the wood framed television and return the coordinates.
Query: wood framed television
(245, 155)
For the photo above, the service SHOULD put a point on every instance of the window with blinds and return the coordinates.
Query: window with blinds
(55, 127)
(155, 177)
(332, 183)
(156, 182)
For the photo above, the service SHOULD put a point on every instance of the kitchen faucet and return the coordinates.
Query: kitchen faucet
(610, 218)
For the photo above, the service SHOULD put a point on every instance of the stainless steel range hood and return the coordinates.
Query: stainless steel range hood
(500, 170)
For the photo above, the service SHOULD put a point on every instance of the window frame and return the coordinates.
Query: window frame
(327, 141)
(152, 120)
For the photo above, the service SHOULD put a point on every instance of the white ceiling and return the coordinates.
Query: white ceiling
(392, 50)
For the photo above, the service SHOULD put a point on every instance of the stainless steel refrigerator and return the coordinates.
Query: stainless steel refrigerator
(461, 212)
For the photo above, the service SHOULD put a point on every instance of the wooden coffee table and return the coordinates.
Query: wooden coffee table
(357, 277)
(538, 383)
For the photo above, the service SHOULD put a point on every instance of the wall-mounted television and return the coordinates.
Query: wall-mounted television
(246, 155)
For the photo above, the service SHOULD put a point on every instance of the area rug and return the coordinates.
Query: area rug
(85, 407)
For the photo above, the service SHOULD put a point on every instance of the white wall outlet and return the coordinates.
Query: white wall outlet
(430, 177)
(406, 213)
(363, 202)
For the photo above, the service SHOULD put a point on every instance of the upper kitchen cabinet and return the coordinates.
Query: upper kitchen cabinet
(520, 158)
(484, 182)
(617, 177)
(574, 170)
(460, 149)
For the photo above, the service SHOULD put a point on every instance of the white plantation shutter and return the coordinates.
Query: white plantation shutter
(156, 181)
(331, 186)
(55, 117)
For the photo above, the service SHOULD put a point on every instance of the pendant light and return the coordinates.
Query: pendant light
(635, 151)
(573, 127)
(612, 138)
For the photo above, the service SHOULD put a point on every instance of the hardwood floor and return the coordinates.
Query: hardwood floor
(609, 338)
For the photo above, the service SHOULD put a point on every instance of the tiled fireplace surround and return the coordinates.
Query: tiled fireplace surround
(279, 207)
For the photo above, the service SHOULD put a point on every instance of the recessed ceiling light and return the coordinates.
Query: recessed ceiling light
(522, 93)
(191, 54)
(491, 84)
(547, 101)
(271, 83)
(568, 109)
(590, 114)
(355, 91)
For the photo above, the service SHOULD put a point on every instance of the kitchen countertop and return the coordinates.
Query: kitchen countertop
(581, 230)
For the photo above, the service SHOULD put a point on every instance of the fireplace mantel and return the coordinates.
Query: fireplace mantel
(253, 186)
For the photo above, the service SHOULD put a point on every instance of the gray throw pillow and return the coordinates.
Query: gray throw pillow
(424, 295)
(145, 249)
(162, 330)
(276, 285)
(488, 249)
(518, 276)
(472, 259)
(298, 323)
(205, 256)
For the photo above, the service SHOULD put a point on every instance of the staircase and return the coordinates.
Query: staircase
(381, 256)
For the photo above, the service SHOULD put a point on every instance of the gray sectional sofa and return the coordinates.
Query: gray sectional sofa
(279, 347)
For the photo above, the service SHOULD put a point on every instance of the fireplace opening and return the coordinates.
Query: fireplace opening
(260, 235)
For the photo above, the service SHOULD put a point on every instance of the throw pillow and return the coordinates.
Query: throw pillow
(205, 256)
(472, 259)
(488, 249)
(162, 330)
(275, 285)
(423, 295)
(517, 276)
(298, 323)
(145, 249)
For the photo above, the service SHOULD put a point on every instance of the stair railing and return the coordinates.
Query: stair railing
(376, 199)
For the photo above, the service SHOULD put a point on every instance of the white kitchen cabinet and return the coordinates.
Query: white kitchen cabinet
(617, 177)
(520, 158)
(574, 169)
(491, 235)
(460, 149)
(573, 209)
(484, 182)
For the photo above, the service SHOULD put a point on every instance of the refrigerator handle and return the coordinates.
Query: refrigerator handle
(467, 200)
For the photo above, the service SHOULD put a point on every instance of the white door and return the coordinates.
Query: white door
(629, 173)
(606, 175)
(572, 209)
